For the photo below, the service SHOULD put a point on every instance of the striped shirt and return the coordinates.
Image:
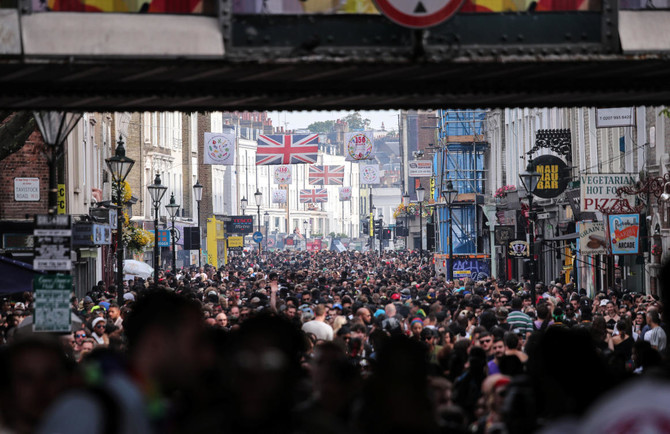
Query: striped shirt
(519, 320)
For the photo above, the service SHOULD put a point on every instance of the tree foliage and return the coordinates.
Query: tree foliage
(321, 126)
(15, 128)
(356, 121)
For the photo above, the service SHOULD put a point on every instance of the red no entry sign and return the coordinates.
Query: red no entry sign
(418, 13)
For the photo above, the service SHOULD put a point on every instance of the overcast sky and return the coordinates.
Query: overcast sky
(294, 120)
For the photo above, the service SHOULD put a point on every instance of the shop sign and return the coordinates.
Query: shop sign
(599, 190)
(624, 233)
(240, 224)
(615, 117)
(503, 234)
(519, 249)
(91, 234)
(555, 176)
(421, 168)
(592, 238)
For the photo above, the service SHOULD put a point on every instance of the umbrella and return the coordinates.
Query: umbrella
(137, 268)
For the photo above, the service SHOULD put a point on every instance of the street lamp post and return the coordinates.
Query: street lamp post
(243, 204)
(55, 126)
(258, 196)
(266, 218)
(450, 194)
(304, 228)
(119, 165)
(173, 209)
(197, 194)
(420, 195)
(529, 179)
(405, 202)
(381, 234)
(156, 191)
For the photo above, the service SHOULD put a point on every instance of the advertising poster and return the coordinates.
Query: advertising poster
(592, 238)
(624, 233)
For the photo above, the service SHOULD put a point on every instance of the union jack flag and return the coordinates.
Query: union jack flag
(326, 175)
(287, 149)
(314, 196)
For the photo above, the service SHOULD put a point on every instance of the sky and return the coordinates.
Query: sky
(294, 120)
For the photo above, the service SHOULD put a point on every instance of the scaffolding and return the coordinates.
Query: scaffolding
(459, 158)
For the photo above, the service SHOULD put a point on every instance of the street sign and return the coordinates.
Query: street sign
(257, 237)
(163, 237)
(418, 14)
(27, 189)
(52, 242)
(52, 303)
(235, 242)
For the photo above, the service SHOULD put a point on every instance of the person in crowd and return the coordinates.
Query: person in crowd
(326, 342)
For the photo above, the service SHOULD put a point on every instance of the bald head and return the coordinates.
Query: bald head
(390, 310)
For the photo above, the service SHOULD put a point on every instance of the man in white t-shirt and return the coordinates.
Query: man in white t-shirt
(318, 325)
(655, 336)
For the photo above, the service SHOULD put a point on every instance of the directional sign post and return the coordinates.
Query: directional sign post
(418, 14)
(52, 245)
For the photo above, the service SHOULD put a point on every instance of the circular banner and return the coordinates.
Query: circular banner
(555, 176)
(359, 146)
(282, 175)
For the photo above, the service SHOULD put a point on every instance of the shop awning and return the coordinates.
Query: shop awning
(15, 276)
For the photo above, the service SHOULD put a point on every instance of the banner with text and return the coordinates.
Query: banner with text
(359, 146)
(282, 174)
(598, 190)
(345, 194)
(421, 168)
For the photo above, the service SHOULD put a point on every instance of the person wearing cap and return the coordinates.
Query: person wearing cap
(99, 335)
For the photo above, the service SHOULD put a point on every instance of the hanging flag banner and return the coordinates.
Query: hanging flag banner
(359, 146)
(219, 149)
(326, 175)
(314, 196)
(283, 175)
(624, 233)
(287, 149)
(370, 174)
(592, 238)
(345, 194)
(278, 196)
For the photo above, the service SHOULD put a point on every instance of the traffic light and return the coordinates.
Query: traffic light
(378, 227)
(400, 230)
(386, 234)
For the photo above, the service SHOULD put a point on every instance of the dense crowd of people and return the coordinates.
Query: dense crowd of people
(302, 342)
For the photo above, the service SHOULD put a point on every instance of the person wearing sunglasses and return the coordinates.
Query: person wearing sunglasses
(79, 337)
(98, 325)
